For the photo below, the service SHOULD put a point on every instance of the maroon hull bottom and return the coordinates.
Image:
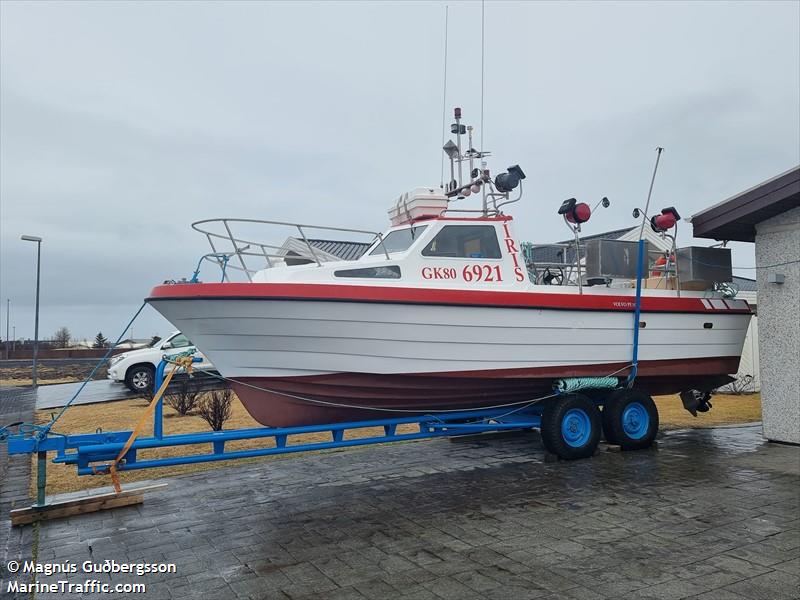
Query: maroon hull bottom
(290, 401)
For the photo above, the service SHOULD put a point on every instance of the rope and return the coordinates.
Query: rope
(522, 403)
(574, 384)
(356, 406)
(46, 429)
(780, 264)
(728, 289)
(181, 361)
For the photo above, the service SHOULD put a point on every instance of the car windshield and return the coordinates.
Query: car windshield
(399, 240)
(179, 341)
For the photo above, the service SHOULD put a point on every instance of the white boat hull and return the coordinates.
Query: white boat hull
(298, 361)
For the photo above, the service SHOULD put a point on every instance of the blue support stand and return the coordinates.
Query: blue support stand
(637, 310)
(158, 413)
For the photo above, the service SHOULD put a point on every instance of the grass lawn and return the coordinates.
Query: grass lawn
(123, 415)
(728, 409)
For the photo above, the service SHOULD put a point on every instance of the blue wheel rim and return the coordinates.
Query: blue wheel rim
(635, 420)
(576, 427)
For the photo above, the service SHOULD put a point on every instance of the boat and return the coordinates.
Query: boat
(442, 311)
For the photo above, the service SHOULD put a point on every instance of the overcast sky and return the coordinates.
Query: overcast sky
(120, 123)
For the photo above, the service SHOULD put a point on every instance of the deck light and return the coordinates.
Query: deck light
(505, 182)
(665, 221)
(575, 212)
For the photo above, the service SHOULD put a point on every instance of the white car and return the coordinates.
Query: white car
(137, 368)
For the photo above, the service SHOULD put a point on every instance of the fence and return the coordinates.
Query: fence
(27, 352)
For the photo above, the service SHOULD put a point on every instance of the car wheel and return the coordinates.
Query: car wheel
(139, 378)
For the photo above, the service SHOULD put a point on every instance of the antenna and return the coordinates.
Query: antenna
(483, 46)
(659, 150)
(444, 93)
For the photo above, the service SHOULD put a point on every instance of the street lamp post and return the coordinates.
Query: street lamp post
(38, 240)
(8, 340)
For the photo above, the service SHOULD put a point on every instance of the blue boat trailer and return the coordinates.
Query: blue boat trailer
(85, 450)
(93, 453)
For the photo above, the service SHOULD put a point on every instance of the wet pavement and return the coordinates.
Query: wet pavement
(56, 396)
(713, 514)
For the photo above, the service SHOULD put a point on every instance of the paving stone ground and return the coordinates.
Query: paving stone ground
(15, 471)
(713, 514)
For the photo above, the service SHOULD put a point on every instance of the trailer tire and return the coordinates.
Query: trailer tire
(630, 419)
(571, 427)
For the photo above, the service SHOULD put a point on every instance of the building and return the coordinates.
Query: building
(769, 216)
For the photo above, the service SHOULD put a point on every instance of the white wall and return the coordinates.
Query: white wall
(778, 241)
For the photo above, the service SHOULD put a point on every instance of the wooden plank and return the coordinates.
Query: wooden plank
(87, 504)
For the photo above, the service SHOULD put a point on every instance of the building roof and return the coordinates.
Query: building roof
(344, 250)
(324, 250)
(745, 284)
(736, 217)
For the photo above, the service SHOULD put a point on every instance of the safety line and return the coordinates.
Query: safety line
(46, 428)
(527, 402)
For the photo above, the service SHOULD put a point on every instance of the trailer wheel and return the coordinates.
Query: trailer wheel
(630, 419)
(571, 427)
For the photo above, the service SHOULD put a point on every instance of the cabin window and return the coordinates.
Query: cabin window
(390, 272)
(464, 241)
(400, 240)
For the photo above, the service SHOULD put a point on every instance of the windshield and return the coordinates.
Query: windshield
(179, 341)
(465, 241)
(399, 240)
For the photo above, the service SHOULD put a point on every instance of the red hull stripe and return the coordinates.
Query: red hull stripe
(400, 295)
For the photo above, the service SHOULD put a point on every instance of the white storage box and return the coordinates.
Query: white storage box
(417, 204)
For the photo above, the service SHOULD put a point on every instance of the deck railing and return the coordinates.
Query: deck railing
(248, 255)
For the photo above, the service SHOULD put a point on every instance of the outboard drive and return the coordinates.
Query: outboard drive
(696, 401)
